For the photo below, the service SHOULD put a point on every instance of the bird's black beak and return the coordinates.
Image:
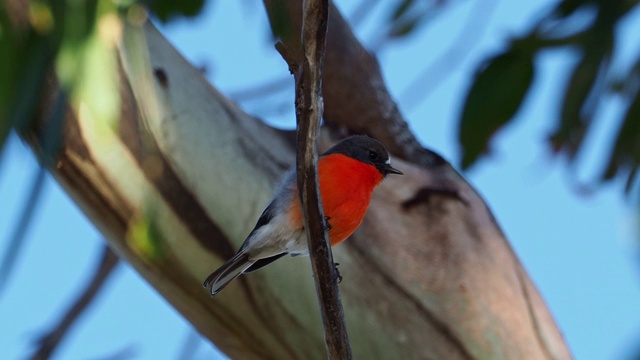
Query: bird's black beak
(388, 169)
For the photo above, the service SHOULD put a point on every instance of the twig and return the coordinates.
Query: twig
(309, 107)
(49, 342)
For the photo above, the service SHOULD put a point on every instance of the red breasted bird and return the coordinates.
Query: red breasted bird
(347, 175)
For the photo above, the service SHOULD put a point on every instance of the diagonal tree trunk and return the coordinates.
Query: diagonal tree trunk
(178, 182)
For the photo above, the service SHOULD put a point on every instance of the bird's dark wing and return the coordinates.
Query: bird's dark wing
(283, 196)
(264, 219)
(264, 262)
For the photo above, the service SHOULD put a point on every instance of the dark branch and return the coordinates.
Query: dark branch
(49, 342)
(309, 107)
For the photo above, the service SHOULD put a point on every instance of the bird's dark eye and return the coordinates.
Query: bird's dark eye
(373, 155)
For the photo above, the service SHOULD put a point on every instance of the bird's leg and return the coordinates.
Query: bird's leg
(338, 276)
(327, 223)
(335, 265)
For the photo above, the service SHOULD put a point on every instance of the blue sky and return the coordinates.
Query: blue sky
(581, 251)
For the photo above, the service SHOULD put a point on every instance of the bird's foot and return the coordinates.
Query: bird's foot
(327, 224)
(338, 276)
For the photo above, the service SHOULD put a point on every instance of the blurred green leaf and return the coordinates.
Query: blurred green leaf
(576, 111)
(408, 15)
(169, 9)
(492, 101)
(401, 9)
(33, 43)
(79, 24)
(87, 65)
(144, 237)
(590, 80)
(584, 89)
(625, 83)
(30, 48)
(281, 28)
(568, 7)
(404, 27)
(8, 68)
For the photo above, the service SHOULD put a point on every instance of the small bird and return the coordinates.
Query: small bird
(347, 175)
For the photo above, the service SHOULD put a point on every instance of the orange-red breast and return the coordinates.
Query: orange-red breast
(347, 175)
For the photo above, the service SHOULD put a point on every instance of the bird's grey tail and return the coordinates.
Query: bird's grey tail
(227, 272)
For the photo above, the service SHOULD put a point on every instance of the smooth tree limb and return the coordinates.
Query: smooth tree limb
(309, 109)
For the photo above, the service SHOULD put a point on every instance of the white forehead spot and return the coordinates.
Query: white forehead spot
(388, 162)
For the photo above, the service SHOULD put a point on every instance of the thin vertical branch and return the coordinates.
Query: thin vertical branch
(309, 108)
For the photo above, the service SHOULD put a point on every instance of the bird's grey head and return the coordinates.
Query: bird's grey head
(367, 150)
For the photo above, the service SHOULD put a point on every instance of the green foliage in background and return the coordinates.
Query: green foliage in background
(38, 36)
(589, 28)
(70, 40)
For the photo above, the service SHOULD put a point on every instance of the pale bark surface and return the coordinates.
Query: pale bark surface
(179, 183)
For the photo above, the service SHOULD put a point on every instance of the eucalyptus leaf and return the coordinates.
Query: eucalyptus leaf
(281, 28)
(9, 66)
(568, 7)
(32, 48)
(169, 9)
(404, 27)
(401, 9)
(494, 98)
(584, 91)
